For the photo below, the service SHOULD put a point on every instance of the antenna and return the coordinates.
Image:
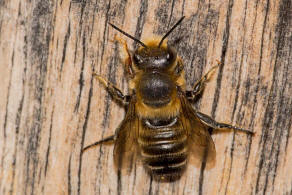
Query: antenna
(174, 26)
(126, 34)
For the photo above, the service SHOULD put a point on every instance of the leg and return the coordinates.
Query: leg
(126, 56)
(113, 90)
(105, 140)
(216, 125)
(200, 84)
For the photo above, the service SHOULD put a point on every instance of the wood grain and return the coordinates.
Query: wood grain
(51, 107)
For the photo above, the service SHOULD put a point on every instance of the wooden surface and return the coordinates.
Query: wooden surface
(51, 107)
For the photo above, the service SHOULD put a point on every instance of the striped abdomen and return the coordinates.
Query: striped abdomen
(163, 148)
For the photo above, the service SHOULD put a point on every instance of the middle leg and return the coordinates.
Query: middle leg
(200, 84)
(113, 90)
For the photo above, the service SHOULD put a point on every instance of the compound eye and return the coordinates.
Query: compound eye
(171, 55)
(169, 58)
(138, 60)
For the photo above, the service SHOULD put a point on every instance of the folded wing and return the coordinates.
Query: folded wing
(200, 143)
(126, 148)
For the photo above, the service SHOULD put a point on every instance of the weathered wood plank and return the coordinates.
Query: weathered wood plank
(51, 107)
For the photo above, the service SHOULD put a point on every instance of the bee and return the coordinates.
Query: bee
(160, 126)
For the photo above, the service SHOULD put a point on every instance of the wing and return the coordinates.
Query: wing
(201, 145)
(126, 148)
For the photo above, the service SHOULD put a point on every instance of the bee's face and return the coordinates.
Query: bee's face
(157, 58)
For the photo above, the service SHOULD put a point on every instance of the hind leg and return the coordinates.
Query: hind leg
(103, 141)
(207, 120)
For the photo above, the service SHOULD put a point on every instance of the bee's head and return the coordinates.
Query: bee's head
(154, 57)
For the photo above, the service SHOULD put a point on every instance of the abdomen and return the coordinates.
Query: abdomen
(163, 146)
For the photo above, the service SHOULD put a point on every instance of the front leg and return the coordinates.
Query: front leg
(126, 56)
(113, 90)
(207, 120)
(200, 84)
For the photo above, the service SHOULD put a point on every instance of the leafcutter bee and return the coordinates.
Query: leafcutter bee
(160, 126)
